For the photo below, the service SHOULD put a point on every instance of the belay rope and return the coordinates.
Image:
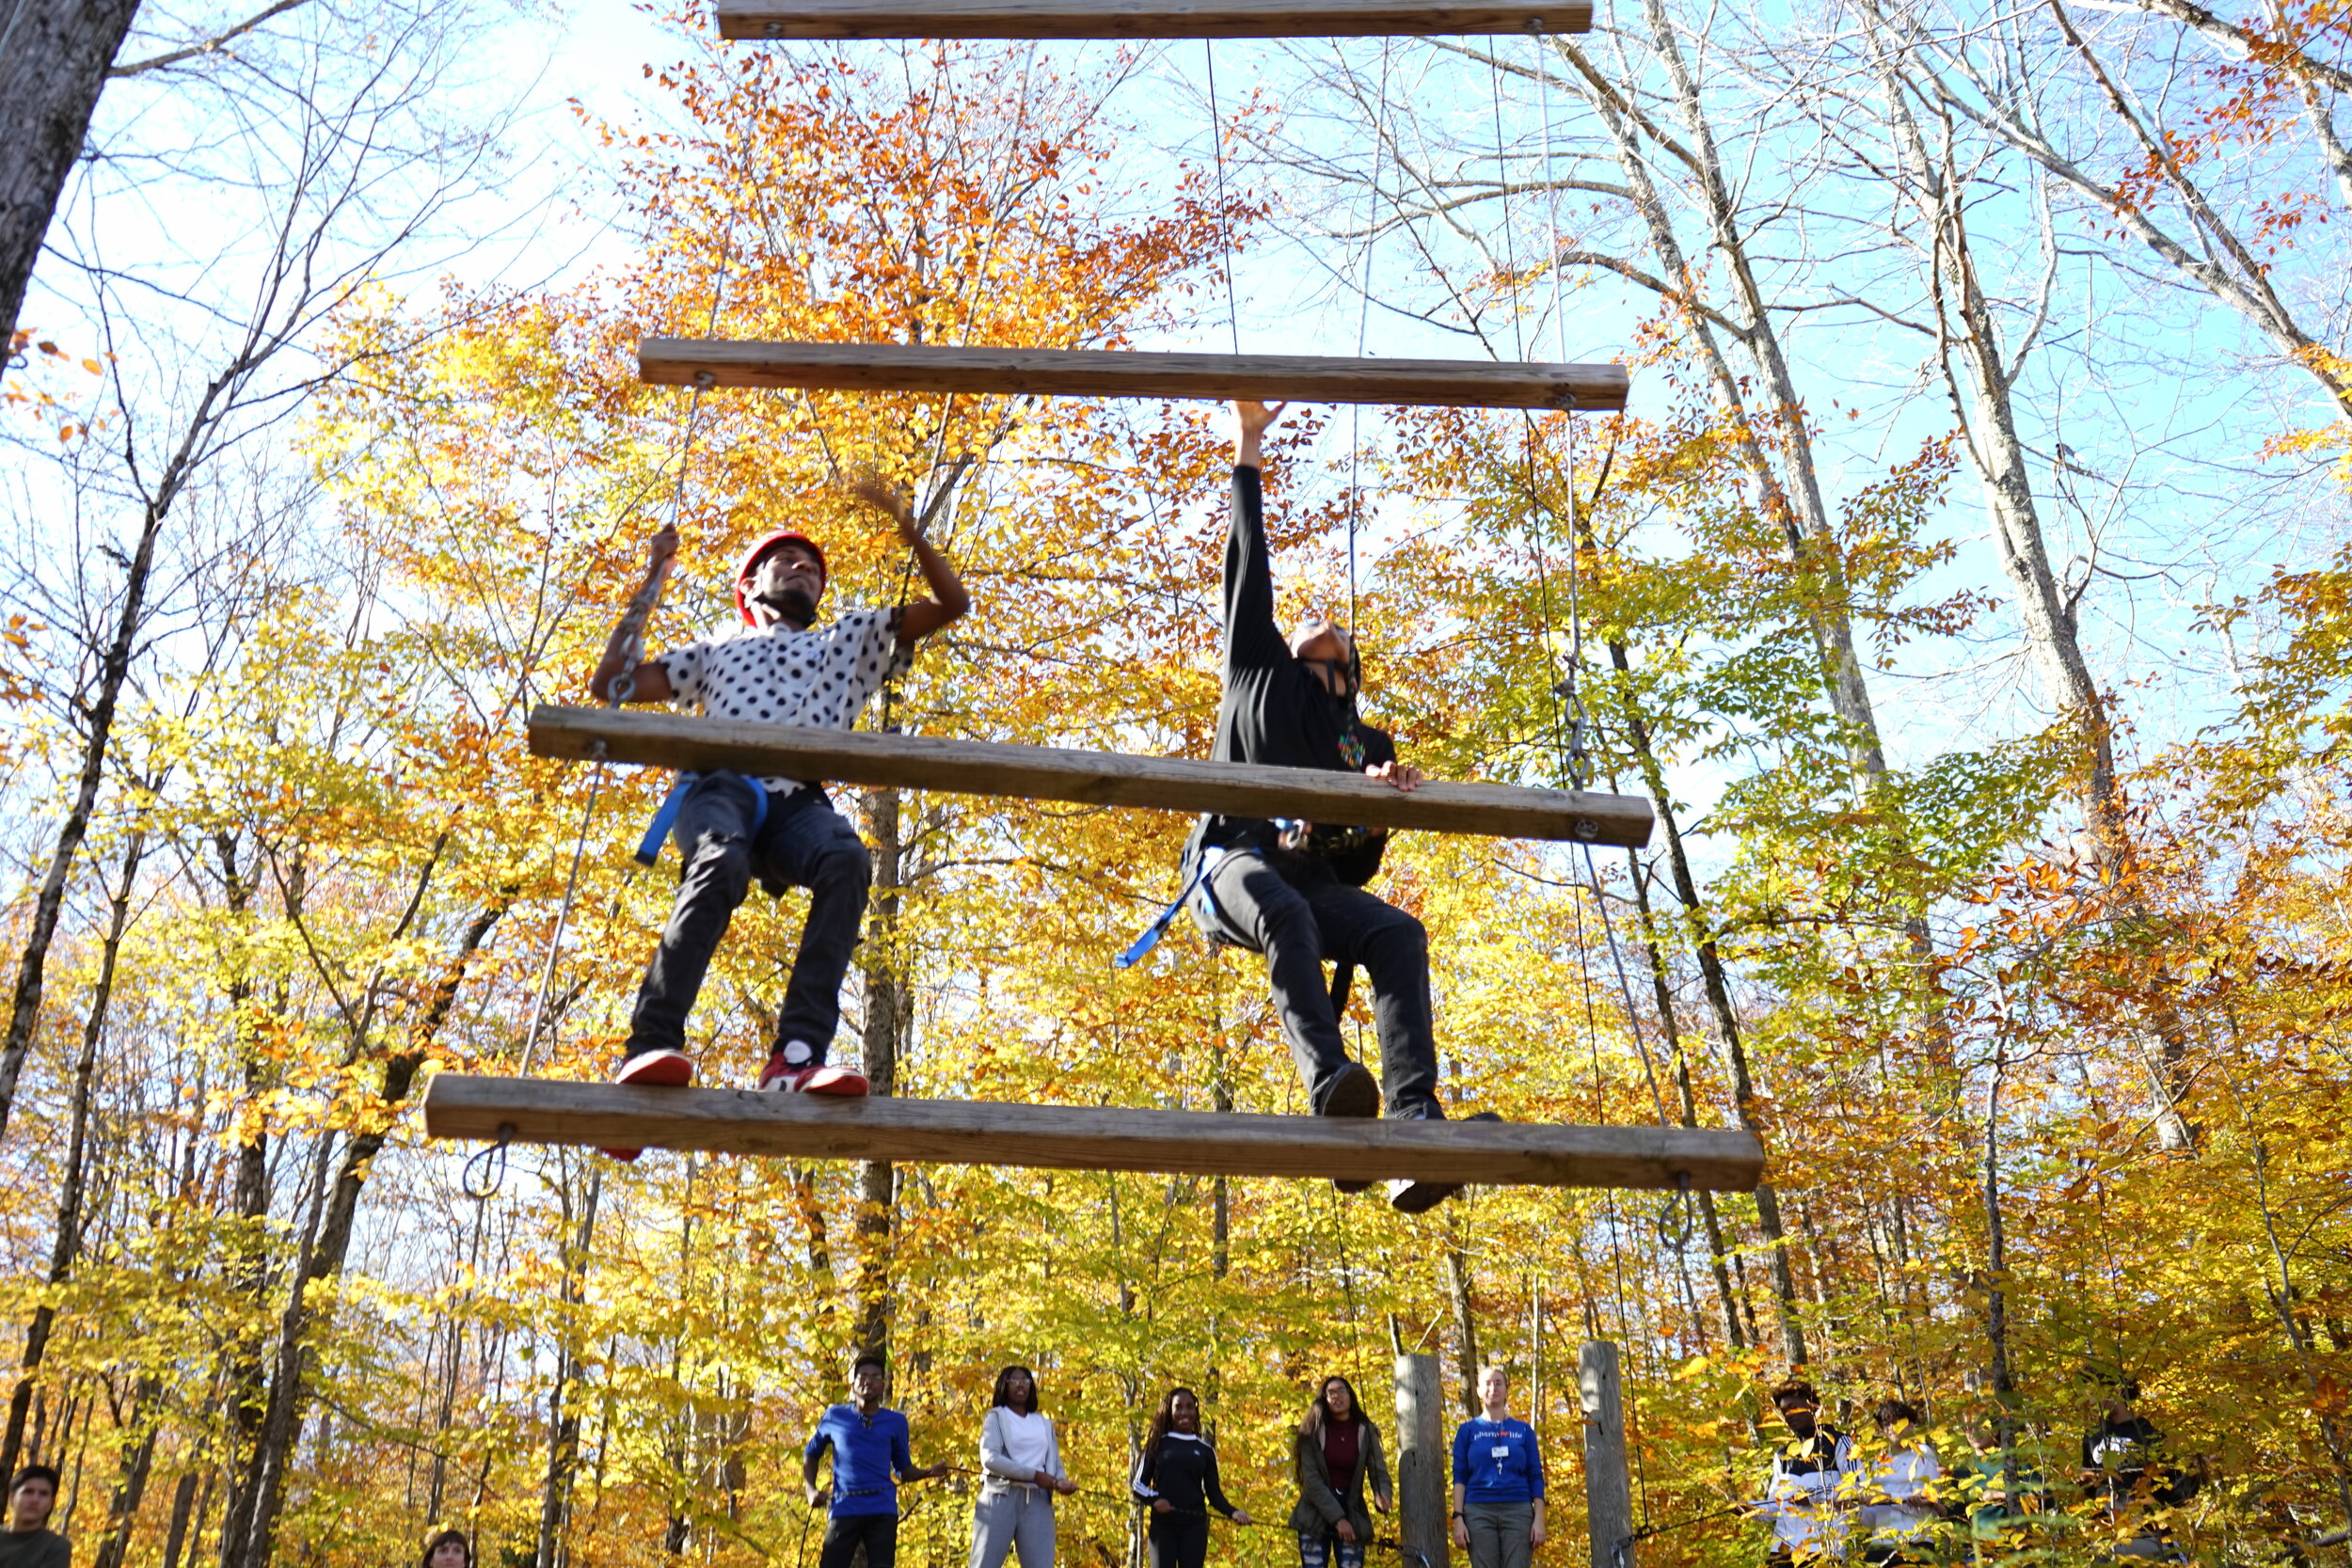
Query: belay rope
(486, 1171)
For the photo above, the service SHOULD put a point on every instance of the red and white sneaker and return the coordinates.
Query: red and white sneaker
(781, 1077)
(661, 1069)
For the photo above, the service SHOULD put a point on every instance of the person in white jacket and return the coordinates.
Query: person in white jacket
(1900, 1515)
(1020, 1472)
(1802, 1494)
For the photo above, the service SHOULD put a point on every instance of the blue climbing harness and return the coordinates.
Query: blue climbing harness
(649, 847)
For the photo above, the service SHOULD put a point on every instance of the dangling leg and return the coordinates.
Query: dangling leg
(714, 841)
(1392, 948)
(713, 837)
(1247, 902)
(808, 844)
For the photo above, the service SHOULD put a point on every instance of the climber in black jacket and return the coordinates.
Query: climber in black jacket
(1176, 1478)
(1294, 892)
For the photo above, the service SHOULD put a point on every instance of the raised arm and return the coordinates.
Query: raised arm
(948, 602)
(1252, 640)
(652, 682)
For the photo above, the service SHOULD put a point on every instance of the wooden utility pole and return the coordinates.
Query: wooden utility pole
(1608, 1496)
(1424, 1462)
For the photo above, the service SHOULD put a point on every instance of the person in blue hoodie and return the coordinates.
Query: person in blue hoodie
(1498, 1481)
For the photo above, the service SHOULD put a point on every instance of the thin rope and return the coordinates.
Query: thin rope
(1551, 194)
(1502, 183)
(1224, 217)
(634, 618)
(1363, 319)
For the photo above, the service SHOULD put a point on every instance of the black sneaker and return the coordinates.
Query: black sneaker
(1419, 1197)
(1351, 1188)
(1352, 1092)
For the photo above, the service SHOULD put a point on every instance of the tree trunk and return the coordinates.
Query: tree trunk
(113, 671)
(1983, 387)
(886, 1021)
(183, 1507)
(1457, 1284)
(1664, 995)
(54, 56)
(562, 1421)
(139, 1459)
(1714, 981)
(248, 1540)
(74, 1179)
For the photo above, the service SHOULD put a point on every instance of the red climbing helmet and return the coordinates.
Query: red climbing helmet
(752, 558)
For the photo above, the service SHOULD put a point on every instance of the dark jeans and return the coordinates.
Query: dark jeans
(803, 843)
(1293, 910)
(1179, 1540)
(845, 1533)
(1318, 1550)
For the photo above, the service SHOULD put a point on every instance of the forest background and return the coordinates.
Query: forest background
(1968, 587)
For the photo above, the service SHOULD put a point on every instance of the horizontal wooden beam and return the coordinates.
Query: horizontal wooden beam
(1087, 778)
(1075, 1137)
(1118, 373)
(1140, 19)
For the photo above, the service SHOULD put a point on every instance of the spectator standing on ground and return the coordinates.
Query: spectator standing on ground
(871, 1455)
(1899, 1494)
(1337, 1458)
(2125, 1466)
(1801, 1493)
(1020, 1472)
(1176, 1477)
(28, 1542)
(2000, 1486)
(1498, 1481)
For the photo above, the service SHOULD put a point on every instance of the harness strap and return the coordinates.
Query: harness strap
(665, 818)
(1158, 928)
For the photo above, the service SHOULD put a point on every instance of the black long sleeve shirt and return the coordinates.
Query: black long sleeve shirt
(1274, 709)
(1183, 1469)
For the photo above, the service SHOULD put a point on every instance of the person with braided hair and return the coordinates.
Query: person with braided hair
(1176, 1477)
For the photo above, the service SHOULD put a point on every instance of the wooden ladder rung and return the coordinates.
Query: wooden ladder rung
(1139, 19)
(1078, 1137)
(1119, 374)
(691, 744)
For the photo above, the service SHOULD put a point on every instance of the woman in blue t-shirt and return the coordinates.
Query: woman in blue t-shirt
(1498, 1481)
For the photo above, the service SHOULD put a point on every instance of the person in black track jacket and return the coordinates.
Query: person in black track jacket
(1176, 1478)
(1294, 892)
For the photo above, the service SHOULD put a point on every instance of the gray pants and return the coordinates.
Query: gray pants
(1498, 1533)
(1016, 1519)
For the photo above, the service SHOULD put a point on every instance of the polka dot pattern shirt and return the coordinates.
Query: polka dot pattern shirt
(780, 675)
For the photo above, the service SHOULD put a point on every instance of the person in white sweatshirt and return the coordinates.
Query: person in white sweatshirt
(1020, 1472)
(1901, 1512)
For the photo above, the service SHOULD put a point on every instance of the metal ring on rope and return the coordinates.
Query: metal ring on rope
(1676, 1220)
(491, 1161)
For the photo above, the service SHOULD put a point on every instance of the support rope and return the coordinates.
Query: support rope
(1224, 215)
(632, 631)
(1363, 319)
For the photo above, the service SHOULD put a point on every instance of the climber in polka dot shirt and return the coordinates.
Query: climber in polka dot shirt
(778, 668)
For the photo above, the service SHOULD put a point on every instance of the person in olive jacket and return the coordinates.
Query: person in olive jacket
(1337, 1454)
